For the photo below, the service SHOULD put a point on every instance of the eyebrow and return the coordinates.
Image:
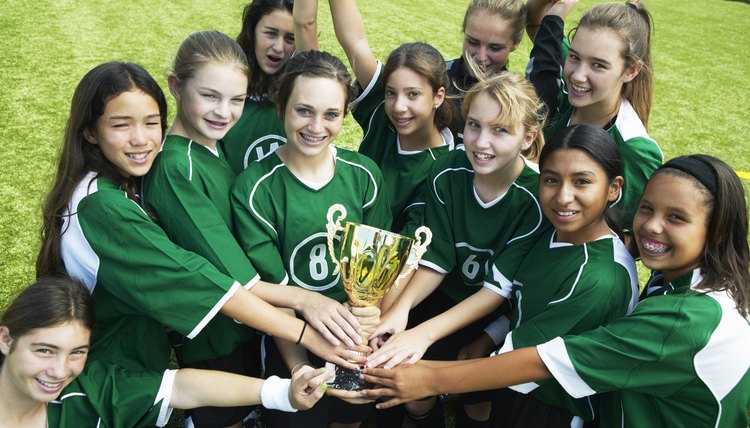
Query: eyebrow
(602, 60)
(552, 171)
(49, 345)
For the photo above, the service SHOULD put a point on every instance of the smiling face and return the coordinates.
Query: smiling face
(574, 191)
(274, 40)
(209, 103)
(595, 70)
(128, 132)
(312, 121)
(671, 225)
(410, 102)
(489, 144)
(41, 363)
(488, 40)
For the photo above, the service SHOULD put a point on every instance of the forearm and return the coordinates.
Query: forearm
(476, 306)
(501, 371)
(305, 13)
(279, 295)
(547, 61)
(198, 388)
(292, 354)
(350, 33)
(422, 283)
(253, 311)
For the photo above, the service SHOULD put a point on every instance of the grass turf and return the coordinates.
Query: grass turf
(701, 103)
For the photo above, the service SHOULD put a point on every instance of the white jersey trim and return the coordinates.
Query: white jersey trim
(505, 285)
(78, 256)
(165, 396)
(371, 84)
(523, 388)
(215, 310)
(372, 179)
(710, 362)
(555, 357)
(252, 196)
(250, 284)
(538, 209)
(434, 180)
(433, 266)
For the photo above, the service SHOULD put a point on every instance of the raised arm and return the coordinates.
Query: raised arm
(350, 33)
(305, 13)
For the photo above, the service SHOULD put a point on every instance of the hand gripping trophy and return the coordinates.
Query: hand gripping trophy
(370, 261)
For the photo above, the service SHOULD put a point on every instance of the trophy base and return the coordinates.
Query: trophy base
(345, 379)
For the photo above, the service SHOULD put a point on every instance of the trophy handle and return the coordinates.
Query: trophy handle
(333, 227)
(419, 249)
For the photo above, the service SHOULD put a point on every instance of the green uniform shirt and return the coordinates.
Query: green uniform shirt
(258, 133)
(108, 396)
(187, 189)
(681, 359)
(404, 172)
(468, 233)
(639, 153)
(560, 289)
(281, 221)
(141, 281)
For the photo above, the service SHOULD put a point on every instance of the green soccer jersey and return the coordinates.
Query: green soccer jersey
(141, 281)
(579, 288)
(187, 189)
(639, 153)
(281, 220)
(681, 359)
(404, 172)
(468, 233)
(258, 133)
(105, 395)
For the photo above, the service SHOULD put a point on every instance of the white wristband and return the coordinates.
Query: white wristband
(274, 394)
(498, 329)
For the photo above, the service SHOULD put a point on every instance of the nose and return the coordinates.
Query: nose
(278, 45)
(577, 72)
(481, 54)
(316, 124)
(58, 368)
(652, 225)
(565, 194)
(483, 139)
(138, 136)
(400, 104)
(221, 108)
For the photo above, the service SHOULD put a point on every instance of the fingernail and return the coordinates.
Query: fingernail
(323, 387)
(321, 369)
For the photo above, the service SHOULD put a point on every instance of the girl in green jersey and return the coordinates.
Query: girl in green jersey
(44, 341)
(682, 358)
(95, 231)
(188, 191)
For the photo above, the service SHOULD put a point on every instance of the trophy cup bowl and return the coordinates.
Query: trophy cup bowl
(370, 260)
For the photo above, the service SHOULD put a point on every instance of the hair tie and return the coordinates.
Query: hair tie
(696, 168)
(632, 6)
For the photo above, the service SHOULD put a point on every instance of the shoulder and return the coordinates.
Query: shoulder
(259, 171)
(356, 160)
(629, 129)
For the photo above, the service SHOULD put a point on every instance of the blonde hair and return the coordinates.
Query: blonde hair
(513, 11)
(204, 47)
(632, 23)
(519, 106)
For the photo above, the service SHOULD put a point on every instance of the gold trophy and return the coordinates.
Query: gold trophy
(370, 261)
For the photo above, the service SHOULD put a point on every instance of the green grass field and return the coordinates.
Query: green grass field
(702, 101)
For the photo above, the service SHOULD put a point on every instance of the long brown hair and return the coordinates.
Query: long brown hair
(426, 61)
(260, 83)
(725, 262)
(632, 23)
(78, 157)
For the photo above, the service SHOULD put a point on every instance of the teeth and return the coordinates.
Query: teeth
(312, 139)
(483, 156)
(49, 385)
(580, 88)
(565, 213)
(655, 247)
(137, 156)
(403, 120)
